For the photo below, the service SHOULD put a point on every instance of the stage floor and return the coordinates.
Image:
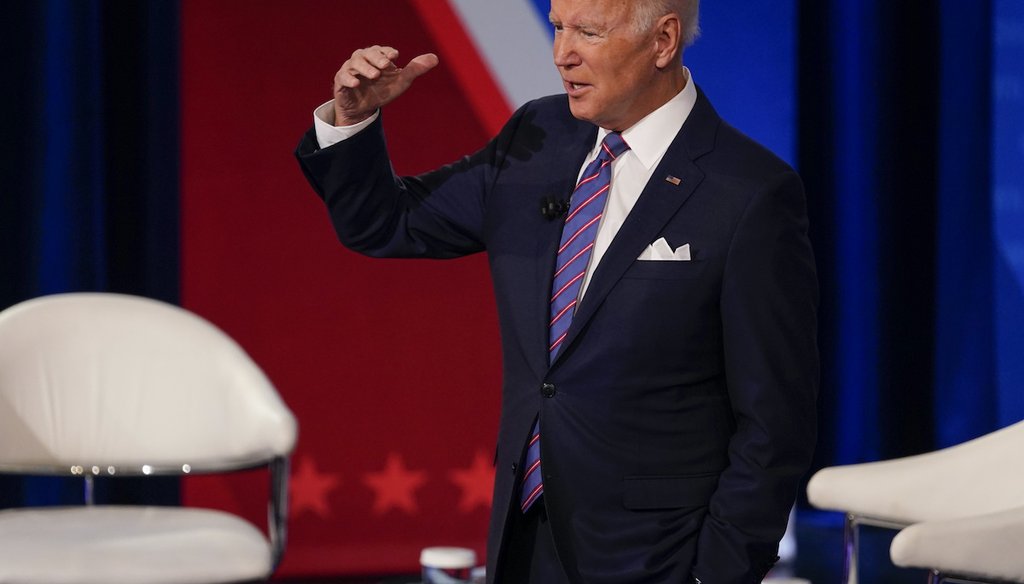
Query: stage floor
(819, 557)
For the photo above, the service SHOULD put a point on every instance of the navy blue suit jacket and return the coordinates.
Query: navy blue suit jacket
(682, 414)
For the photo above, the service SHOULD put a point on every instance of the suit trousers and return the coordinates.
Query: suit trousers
(529, 554)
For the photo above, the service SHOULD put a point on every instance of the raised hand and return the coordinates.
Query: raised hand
(370, 79)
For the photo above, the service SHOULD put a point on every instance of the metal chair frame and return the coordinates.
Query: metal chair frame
(937, 577)
(277, 508)
(851, 541)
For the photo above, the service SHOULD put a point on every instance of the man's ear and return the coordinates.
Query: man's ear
(667, 40)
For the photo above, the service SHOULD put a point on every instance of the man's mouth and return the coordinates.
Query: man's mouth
(574, 88)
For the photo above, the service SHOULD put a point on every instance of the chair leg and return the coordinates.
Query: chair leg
(851, 547)
(89, 490)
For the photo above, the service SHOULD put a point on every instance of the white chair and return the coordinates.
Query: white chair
(966, 480)
(986, 548)
(112, 385)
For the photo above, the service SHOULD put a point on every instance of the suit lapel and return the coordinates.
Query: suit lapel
(658, 203)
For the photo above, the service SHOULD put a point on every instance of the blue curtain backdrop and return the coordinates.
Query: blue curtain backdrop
(1008, 204)
(88, 170)
(966, 388)
(895, 148)
(894, 135)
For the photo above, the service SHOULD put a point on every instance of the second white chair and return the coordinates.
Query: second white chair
(966, 480)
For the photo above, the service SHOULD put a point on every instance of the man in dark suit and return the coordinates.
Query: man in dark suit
(676, 407)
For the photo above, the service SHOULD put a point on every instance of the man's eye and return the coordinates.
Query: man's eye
(588, 33)
(558, 27)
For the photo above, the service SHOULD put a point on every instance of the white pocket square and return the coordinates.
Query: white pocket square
(661, 251)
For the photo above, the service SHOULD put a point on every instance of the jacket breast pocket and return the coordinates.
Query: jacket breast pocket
(664, 270)
(669, 492)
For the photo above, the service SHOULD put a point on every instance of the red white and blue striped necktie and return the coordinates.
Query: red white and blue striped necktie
(574, 251)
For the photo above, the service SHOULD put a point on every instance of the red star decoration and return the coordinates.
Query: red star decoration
(394, 487)
(309, 489)
(476, 482)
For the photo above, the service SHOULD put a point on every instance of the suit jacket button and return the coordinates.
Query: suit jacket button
(515, 467)
(547, 390)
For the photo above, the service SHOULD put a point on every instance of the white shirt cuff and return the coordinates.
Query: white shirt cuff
(327, 134)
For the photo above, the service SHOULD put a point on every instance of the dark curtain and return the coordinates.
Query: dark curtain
(895, 135)
(89, 174)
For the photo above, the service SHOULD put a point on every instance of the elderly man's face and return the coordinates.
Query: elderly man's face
(608, 69)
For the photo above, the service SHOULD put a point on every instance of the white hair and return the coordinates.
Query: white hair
(647, 12)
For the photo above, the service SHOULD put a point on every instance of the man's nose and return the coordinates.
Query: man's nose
(565, 53)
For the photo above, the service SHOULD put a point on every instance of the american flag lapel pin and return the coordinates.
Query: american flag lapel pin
(673, 179)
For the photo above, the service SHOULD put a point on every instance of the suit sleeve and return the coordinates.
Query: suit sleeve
(436, 215)
(768, 304)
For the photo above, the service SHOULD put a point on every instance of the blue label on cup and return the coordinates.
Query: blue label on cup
(433, 575)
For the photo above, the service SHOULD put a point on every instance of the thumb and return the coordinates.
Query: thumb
(419, 66)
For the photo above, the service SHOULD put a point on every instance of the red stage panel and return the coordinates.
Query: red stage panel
(392, 367)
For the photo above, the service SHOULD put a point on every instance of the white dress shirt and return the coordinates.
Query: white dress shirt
(648, 141)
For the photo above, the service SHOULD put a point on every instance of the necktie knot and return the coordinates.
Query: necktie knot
(613, 146)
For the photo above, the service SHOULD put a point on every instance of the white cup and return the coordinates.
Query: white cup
(447, 565)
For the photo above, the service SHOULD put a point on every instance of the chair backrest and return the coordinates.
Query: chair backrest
(972, 478)
(122, 382)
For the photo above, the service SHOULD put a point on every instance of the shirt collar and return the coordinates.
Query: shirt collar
(651, 136)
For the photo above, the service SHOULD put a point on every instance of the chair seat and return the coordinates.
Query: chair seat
(129, 544)
(987, 546)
